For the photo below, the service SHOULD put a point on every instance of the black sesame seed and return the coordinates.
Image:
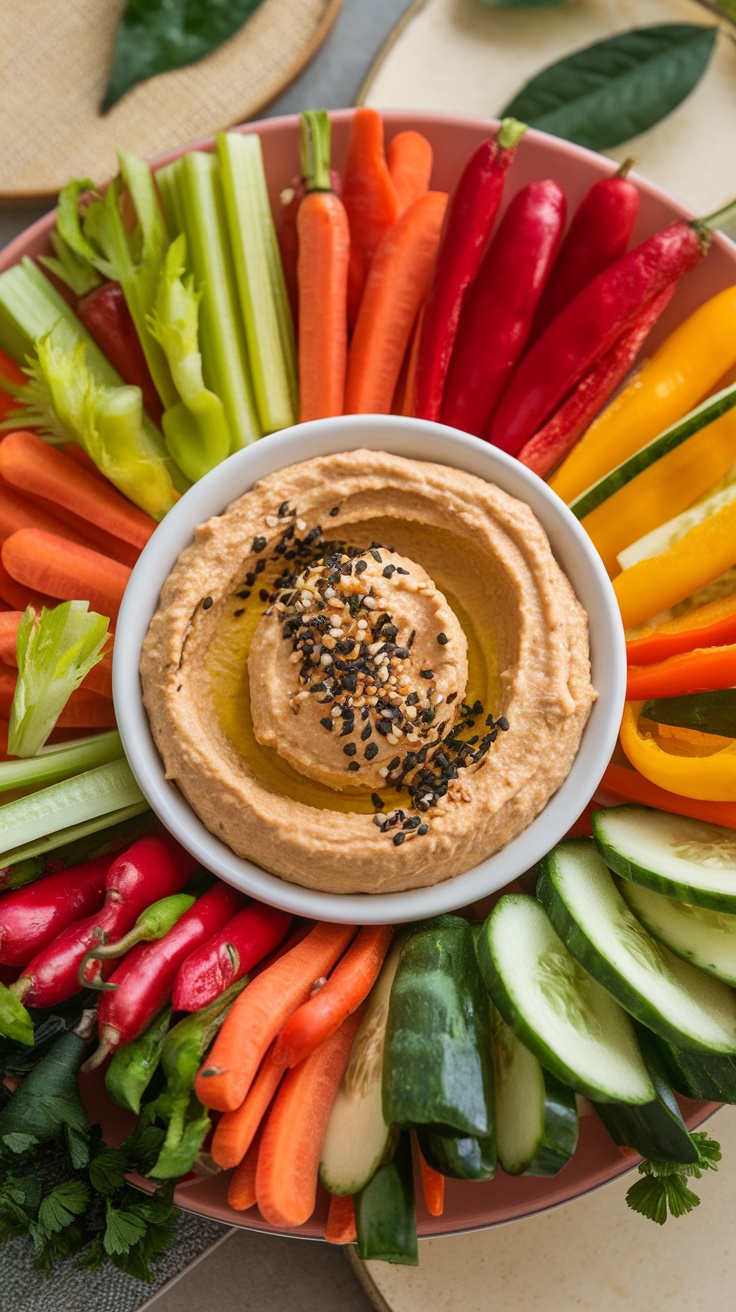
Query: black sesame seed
(451, 698)
(244, 595)
(426, 674)
(283, 509)
(260, 566)
(354, 765)
(335, 511)
(376, 555)
(442, 639)
(477, 708)
(361, 566)
(384, 727)
(327, 724)
(412, 699)
(398, 839)
(238, 613)
(388, 570)
(399, 570)
(258, 544)
(377, 801)
(392, 765)
(207, 603)
(264, 594)
(371, 751)
(365, 735)
(502, 723)
(347, 727)
(350, 749)
(423, 829)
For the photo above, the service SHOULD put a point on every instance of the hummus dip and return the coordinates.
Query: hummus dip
(369, 673)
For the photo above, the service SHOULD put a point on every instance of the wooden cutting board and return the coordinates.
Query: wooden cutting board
(54, 62)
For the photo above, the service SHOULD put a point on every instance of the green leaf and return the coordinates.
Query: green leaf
(107, 1170)
(606, 93)
(15, 1022)
(123, 1229)
(67, 1200)
(648, 1197)
(55, 651)
(156, 36)
(19, 1143)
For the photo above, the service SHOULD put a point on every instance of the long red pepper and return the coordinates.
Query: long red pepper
(589, 326)
(32, 916)
(152, 868)
(499, 306)
(470, 214)
(558, 436)
(107, 319)
(228, 955)
(146, 975)
(599, 233)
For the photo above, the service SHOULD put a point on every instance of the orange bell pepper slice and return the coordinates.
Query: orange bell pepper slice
(702, 670)
(711, 625)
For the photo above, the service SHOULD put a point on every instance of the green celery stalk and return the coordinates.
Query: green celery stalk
(199, 192)
(196, 429)
(56, 650)
(61, 761)
(71, 802)
(166, 181)
(260, 278)
(57, 842)
(29, 306)
(68, 267)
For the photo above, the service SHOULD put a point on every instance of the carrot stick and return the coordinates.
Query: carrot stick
(96, 538)
(99, 678)
(369, 197)
(409, 159)
(17, 597)
(44, 561)
(349, 984)
(322, 272)
(340, 1227)
(17, 512)
(241, 1193)
(630, 786)
(33, 466)
(394, 291)
(236, 1130)
(288, 1161)
(433, 1187)
(257, 1015)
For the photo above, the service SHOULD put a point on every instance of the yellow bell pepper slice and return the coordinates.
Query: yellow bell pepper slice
(686, 770)
(663, 490)
(684, 369)
(701, 556)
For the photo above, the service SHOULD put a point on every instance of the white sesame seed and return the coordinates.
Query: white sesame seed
(272, 520)
(439, 698)
(295, 657)
(325, 658)
(336, 633)
(369, 603)
(328, 592)
(335, 712)
(392, 738)
(383, 771)
(410, 712)
(301, 525)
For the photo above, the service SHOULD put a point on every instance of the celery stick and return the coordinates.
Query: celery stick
(66, 843)
(253, 243)
(61, 761)
(96, 792)
(223, 341)
(55, 651)
(29, 306)
(166, 181)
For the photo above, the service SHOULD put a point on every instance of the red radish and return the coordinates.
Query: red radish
(228, 955)
(107, 319)
(31, 917)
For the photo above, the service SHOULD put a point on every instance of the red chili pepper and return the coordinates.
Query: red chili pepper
(107, 319)
(228, 955)
(588, 327)
(499, 305)
(31, 917)
(152, 868)
(146, 976)
(471, 210)
(599, 233)
(558, 436)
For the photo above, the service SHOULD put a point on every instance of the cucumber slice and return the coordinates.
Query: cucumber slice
(690, 860)
(385, 1212)
(656, 1130)
(696, 934)
(571, 1024)
(358, 1139)
(462, 1157)
(698, 1075)
(669, 996)
(536, 1115)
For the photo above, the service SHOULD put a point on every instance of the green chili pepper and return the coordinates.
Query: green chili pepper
(153, 923)
(181, 1057)
(133, 1066)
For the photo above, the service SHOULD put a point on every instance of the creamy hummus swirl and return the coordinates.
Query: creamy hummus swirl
(497, 629)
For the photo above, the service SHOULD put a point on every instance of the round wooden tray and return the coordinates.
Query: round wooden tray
(53, 71)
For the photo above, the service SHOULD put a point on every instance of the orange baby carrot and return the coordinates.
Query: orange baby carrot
(17, 597)
(17, 512)
(349, 984)
(409, 159)
(257, 1015)
(288, 1161)
(369, 197)
(322, 273)
(44, 561)
(99, 678)
(340, 1227)
(433, 1187)
(236, 1130)
(394, 291)
(31, 466)
(241, 1193)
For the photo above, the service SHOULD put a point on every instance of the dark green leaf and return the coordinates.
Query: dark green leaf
(17, 1142)
(107, 1170)
(156, 36)
(123, 1229)
(648, 1197)
(606, 93)
(67, 1200)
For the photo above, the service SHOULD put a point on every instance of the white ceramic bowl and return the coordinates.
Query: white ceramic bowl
(418, 440)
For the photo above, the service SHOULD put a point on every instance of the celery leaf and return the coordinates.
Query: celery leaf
(55, 653)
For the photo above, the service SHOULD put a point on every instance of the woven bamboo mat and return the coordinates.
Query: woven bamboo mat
(53, 70)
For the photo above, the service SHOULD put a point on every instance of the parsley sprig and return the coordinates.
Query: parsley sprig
(662, 1191)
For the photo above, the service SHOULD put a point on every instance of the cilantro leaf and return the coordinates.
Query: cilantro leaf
(662, 1191)
(69, 1199)
(123, 1229)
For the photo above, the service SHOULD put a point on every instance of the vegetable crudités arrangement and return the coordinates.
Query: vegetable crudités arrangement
(158, 337)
